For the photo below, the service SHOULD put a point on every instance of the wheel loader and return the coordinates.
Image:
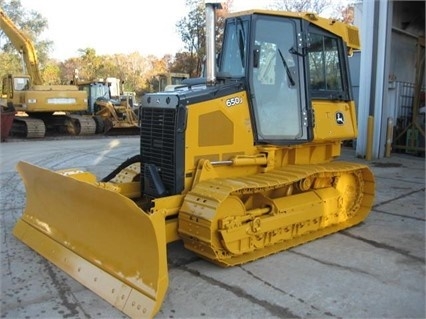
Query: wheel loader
(241, 164)
(112, 113)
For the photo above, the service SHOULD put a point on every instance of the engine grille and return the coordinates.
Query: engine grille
(158, 143)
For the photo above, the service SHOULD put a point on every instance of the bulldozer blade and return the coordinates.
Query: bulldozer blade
(98, 236)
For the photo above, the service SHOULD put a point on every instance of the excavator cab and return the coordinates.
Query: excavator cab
(15, 83)
(21, 83)
(239, 165)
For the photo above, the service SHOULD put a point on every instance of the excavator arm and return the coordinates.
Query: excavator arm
(24, 45)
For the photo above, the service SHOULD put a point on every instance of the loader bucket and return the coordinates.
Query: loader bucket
(98, 236)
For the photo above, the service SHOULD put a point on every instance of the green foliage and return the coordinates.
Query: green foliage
(10, 63)
(51, 73)
(32, 24)
(185, 62)
(192, 32)
(28, 21)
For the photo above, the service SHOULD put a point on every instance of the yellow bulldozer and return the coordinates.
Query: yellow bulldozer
(240, 165)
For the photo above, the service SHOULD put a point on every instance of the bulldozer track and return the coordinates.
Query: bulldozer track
(232, 221)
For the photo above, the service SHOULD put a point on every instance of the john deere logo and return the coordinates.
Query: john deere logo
(340, 119)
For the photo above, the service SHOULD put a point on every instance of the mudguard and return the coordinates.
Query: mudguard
(98, 236)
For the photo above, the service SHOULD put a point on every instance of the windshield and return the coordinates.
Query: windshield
(100, 91)
(20, 84)
(275, 80)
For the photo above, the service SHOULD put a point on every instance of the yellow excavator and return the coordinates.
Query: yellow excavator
(39, 106)
(241, 164)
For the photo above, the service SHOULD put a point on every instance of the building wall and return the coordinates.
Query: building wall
(402, 65)
(408, 23)
(389, 33)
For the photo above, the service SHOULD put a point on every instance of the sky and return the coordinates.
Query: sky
(81, 24)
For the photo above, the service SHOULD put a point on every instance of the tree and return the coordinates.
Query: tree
(51, 73)
(9, 63)
(315, 6)
(32, 24)
(192, 31)
(184, 62)
(90, 64)
(134, 70)
(68, 68)
(331, 8)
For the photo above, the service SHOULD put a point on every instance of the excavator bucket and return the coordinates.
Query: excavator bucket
(98, 236)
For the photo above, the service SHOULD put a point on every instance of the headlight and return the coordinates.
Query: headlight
(32, 101)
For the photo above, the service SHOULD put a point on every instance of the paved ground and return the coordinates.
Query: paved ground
(374, 270)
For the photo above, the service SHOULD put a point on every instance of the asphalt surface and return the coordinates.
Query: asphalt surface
(373, 270)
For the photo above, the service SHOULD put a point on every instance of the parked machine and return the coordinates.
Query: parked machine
(111, 109)
(39, 106)
(239, 166)
(171, 80)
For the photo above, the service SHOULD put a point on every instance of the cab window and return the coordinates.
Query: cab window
(325, 66)
(20, 84)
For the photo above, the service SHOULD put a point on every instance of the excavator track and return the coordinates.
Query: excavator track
(81, 125)
(231, 221)
(28, 127)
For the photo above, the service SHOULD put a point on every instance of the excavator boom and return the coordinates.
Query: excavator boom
(24, 46)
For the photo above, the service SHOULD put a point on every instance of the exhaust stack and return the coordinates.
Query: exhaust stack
(211, 41)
